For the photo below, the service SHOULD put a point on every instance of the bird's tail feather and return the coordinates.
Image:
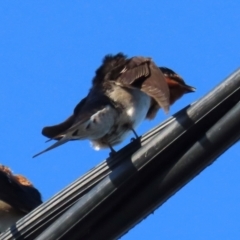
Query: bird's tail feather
(56, 144)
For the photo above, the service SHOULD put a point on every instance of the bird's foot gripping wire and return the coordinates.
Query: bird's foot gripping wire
(134, 132)
(113, 152)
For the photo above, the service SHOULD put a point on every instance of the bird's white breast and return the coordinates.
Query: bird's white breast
(138, 107)
(135, 105)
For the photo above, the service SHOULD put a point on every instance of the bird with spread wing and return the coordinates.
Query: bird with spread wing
(124, 92)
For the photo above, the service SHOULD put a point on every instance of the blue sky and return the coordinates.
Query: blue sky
(48, 54)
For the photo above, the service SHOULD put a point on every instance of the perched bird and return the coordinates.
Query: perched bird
(124, 92)
(17, 197)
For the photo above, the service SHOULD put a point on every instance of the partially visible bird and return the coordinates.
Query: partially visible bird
(17, 197)
(124, 92)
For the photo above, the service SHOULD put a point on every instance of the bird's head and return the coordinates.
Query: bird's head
(176, 84)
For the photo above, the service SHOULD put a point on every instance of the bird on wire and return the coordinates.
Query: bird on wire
(124, 92)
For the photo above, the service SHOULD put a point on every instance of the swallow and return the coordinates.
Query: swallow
(124, 92)
(17, 197)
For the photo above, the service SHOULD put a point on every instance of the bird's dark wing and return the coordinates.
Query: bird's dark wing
(88, 106)
(142, 73)
(95, 101)
(79, 128)
(52, 131)
(55, 130)
(20, 197)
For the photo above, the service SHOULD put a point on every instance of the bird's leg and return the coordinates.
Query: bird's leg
(134, 133)
(113, 152)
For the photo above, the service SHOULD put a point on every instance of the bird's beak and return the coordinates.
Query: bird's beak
(189, 89)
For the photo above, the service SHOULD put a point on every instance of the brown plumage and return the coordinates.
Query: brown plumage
(176, 85)
(17, 197)
(124, 92)
(177, 88)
